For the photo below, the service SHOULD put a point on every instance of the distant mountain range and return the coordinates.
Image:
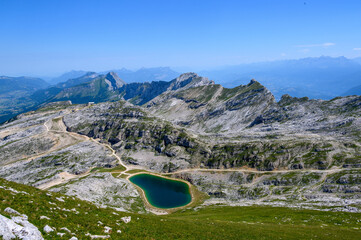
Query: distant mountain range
(66, 76)
(96, 88)
(146, 74)
(28, 84)
(129, 76)
(320, 78)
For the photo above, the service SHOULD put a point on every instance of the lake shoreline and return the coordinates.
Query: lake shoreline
(157, 210)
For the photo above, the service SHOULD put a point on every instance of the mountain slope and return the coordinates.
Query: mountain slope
(212, 108)
(46, 95)
(14, 92)
(71, 217)
(241, 110)
(140, 93)
(86, 77)
(102, 88)
(27, 84)
(19, 101)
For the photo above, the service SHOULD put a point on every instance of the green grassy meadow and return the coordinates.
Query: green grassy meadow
(211, 222)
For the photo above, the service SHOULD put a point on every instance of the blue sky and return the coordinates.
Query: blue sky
(51, 37)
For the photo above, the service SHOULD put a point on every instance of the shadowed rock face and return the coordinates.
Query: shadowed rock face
(141, 93)
(115, 81)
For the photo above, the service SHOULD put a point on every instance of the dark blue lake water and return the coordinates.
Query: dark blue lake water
(162, 192)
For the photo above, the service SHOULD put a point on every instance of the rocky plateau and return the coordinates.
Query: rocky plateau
(238, 146)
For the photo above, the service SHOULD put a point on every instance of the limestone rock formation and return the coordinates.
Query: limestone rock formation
(18, 227)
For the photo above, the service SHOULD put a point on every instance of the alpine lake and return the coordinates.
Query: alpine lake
(163, 192)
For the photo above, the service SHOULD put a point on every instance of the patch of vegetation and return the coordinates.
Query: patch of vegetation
(349, 177)
(228, 93)
(213, 222)
(310, 178)
(123, 176)
(135, 171)
(119, 168)
(317, 157)
(6, 144)
(339, 157)
(281, 190)
(115, 175)
(193, 95)
(252, 193)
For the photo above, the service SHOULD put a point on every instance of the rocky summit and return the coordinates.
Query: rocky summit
(234, 146)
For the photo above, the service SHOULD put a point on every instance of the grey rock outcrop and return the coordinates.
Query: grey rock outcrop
(114, 82)
(105, 190)
(188, 80)
(18, 227)
(211, 108)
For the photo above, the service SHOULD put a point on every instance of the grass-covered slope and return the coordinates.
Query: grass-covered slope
(94, 91)
(216, 222)
(14, 95)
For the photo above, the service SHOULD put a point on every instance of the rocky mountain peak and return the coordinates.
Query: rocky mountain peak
(91, 74)
(185, 76)
(287, 99)
(253, 81)
(188, 80)
(114, 80)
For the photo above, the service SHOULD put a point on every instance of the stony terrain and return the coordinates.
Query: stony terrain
(239, 146)
(104, 190)
(37, 150)
(252, 111)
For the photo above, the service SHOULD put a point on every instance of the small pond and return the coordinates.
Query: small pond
(163, 192)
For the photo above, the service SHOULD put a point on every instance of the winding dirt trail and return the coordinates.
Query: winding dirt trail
(334, 170)
(57, 126)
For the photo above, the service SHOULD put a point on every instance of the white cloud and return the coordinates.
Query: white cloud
(357, 49)
(325, 45)
(283, 54)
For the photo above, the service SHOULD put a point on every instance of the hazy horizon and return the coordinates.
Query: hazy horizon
(47, 38)
(179, 69)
